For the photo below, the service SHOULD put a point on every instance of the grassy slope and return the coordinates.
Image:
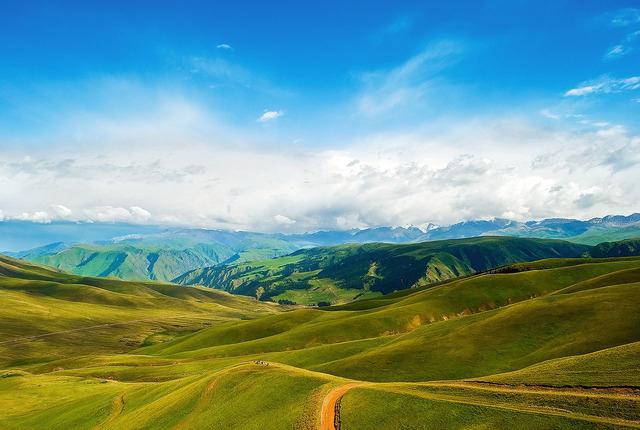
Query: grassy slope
(245, 396)
(481, 325)
(616, 366)
(36, 302)
(504, 339)
(468, 406)
(347, 272)
(395, 316)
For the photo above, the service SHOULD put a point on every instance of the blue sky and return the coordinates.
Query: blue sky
(183, 97)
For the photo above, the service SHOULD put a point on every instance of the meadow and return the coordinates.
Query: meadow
(548, 344)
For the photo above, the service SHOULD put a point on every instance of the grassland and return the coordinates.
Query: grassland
(469, 406)
(46, 314)
(550, 344)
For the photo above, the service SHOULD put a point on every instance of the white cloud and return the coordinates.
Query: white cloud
(270, 115)
(469, 169)
(107, 214)
(38, 216)
(140, 214)
(283, 220)
(408, 83)
(582, 91)
(117, 214)
(62, 212)
(617, 51)
(625, 17)
(605, 85)
(225, 47)
(548, 114)
(624, 48)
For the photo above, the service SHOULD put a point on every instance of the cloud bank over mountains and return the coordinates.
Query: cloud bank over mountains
(183, 169)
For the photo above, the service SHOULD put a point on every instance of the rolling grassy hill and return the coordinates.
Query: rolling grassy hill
(616, 366)
(348, 272)
(549, 344)
(45, 314)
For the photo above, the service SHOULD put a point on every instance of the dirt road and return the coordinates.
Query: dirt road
(330, 415)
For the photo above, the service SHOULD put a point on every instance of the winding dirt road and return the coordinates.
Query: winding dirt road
(330, 415)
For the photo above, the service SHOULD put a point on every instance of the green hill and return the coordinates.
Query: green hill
(344, 273)
(616, 366)
(45, 314)
(623, 248)
(157, 257)
(546, 344)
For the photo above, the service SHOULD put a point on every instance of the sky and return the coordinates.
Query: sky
(299, 116)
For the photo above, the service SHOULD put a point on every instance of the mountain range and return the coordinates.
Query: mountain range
(158, 256)
(136, 252)
(343, 273)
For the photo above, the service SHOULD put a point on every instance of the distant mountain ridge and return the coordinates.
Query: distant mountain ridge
(590, 232)
(161, 253)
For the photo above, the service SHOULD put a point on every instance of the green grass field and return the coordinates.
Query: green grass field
(551, 344)
(47, 314)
